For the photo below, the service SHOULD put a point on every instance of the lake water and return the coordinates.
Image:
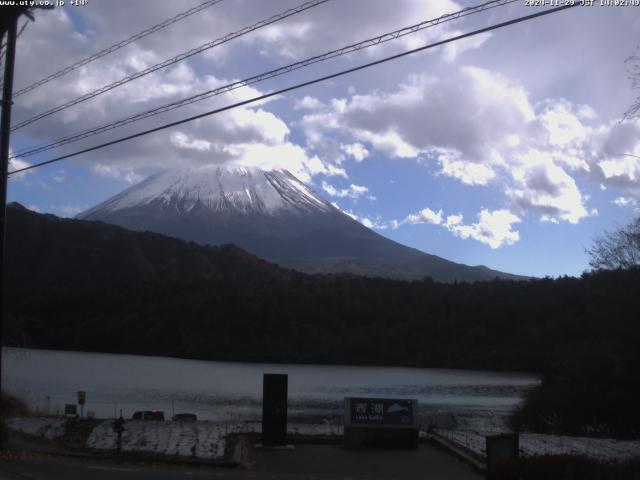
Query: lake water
(229, 391)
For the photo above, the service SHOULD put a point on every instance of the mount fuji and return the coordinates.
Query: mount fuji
(275, 216)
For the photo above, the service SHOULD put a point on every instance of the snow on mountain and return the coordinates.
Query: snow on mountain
(238, 189)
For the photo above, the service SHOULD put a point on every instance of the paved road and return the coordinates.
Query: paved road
(305, 462)
(56, 468)
(332, 461)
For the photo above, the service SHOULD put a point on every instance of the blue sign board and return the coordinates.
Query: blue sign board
(381, 411)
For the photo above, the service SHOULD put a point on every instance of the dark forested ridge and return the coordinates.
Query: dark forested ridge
(44, 251)
(89, 286)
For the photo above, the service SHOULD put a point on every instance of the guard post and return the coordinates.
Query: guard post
(274, 409)
(502, 456)
(82, 398)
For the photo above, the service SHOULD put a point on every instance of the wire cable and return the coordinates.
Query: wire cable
(173, 60)
(117, 46)
(33, 150)
(297, 86)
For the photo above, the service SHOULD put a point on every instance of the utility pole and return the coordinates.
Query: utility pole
(8, 26)
(5, 126)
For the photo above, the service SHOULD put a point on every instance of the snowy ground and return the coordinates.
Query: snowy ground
(202, 439)
(49, 428)
(206, 439)
(533, 444)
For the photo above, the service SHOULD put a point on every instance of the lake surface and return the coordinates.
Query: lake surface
(229, 391)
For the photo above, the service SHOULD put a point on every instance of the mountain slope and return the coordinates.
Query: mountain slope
(47, 252)
(274, 216)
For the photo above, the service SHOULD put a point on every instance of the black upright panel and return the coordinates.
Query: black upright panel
(274, 409)
(502, 456)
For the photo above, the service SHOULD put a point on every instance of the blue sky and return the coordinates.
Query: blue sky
(503, 150)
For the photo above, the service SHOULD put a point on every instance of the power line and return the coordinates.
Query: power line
(171, 61)
(117, 46)
(263, 76)
(297, 86)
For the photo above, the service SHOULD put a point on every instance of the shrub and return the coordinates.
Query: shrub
(12, 406)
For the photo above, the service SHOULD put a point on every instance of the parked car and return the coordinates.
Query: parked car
(184, 417)
(149, 415)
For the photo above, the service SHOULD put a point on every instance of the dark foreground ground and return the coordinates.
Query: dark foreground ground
(330, 462)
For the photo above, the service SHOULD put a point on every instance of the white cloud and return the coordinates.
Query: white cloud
(355, 150)
(470, 115)
(624, 202)
(369, 222)
(481, 129)
(615, 154)
(563, 126)
(249, 136)
(375, 223)
(334, 27)
(453, 220)
(315, 166)
(287, 156)
(494, 228)
(390, 143)
(118, 172)
(426, 215)
(467, 172)
(625, 167)
(542, 186)
(268, 127)
(235, 136)
(353, 191)
(586, 112)
(182, 140)
(455, 49)
(34, 208)
(240, 135)
(308, 103)
(18, 164)
(349, 213)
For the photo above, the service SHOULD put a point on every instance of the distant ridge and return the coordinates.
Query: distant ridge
(48, 252)
(275, 216)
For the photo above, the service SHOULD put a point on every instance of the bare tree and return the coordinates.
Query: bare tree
(618, 249)
(634, 75)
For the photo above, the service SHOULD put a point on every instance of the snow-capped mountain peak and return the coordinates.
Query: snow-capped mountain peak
(219, 189)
